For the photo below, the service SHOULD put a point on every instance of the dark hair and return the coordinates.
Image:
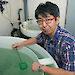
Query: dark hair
(49, 8)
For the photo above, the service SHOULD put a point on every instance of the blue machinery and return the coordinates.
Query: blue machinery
(1, 5)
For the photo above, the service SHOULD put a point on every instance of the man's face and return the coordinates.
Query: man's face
(48, 24)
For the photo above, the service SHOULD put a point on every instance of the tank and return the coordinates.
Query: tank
(19, 62)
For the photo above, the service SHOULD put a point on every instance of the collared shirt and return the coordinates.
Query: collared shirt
(61, 48)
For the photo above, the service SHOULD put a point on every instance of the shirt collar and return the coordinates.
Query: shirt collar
(57, 33)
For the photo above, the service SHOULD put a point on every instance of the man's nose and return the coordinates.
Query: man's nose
(44, 24)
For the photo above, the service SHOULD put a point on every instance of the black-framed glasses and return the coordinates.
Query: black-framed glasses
(47, 21)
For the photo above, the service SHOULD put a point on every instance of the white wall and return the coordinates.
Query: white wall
(10, 15)
(32, 4)
(70, 20)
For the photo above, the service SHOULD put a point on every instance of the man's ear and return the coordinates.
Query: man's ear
(57, 20)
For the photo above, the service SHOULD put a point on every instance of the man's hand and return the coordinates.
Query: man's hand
(17, 46)
(35, 67)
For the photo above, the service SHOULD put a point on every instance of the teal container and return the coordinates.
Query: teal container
(20, 62)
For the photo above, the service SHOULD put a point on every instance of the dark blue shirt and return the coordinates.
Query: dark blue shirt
(61, 48)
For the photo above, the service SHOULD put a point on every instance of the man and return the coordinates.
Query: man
(59, 43)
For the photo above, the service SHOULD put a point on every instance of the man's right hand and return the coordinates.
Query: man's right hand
(17, 46)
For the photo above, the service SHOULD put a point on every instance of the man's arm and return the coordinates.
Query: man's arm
(25, 43)
(56, 71)
(30, 41)
(50, 70)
